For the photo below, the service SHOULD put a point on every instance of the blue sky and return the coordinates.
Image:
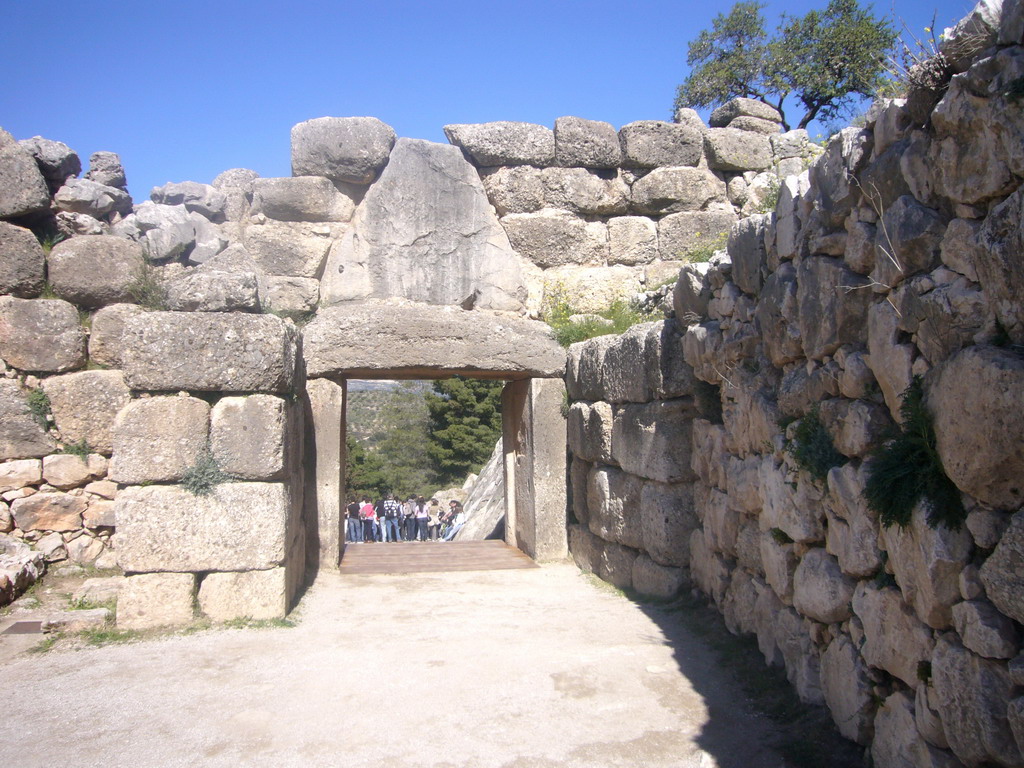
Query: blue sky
(184, 90)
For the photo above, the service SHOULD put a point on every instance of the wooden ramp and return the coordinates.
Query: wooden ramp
(432, 557)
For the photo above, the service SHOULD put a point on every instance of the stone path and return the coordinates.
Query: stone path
(505, 669)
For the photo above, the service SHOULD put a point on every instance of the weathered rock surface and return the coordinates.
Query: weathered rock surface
(248, 436)
(65, 471)
(57, 161)
(667, 520)
(972, 694)
(820, 589)
(975, 401)
(157, 439)
(504, 143)
(302, 198)
(616, 565)
(984, 630)
(49, 511)
(23, 189)
(894, 640)
(402, 244)
(613, 504)
(741, 107)
(84, 405)
(105, 168)
(653, 440)
(41, 335)
(847, 690)
(165, 351)
(654, 580)
(105, 334)
(348, 149)
(95, 271)
(203, 199)
(671, 190)
(297, 249)
(211, 290)
(552, 237)
(652, 143)
(253, 594)
(586, 143)
(23, 434)
(92, 199)
(238, 527)
(1003, 572)
(731, 149)
(149, 600)
(22, 262)
(418, 339)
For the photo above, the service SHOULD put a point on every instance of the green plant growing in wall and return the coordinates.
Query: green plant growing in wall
(558, 312)
(906, 469)
(702, 251)
(39, 407)
(81, 449)
(147, 287)
(202, 477)
(812, 448)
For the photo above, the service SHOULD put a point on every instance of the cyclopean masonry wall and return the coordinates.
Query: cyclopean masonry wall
(898, 254)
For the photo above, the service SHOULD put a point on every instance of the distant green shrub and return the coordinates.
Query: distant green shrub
(705, 249)
(906, 469)
(617, 318)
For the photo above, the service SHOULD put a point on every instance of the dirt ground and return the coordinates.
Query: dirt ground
(503, 669)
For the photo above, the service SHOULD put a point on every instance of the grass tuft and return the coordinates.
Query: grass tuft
(617, 318)
(906, 470)
(81, 449)
(39, 407)
(202, 477)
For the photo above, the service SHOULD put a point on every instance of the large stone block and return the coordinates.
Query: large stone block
(909, 242)
(833, 304)
(625, 361)
(632, 240)
(57, 161)
(1003, 571)
(820, 589)
(585, 378)
(681, 233)
(403, 244)
(730, 149)
(149, 600)
(654, 440)
(671, 190)
(23, 189)
(586, 192)
(975, 401)
(84, 405)
(417, 340)
(204, 199)
(211, 290)
(586, 548)
(985, 631)
(552, 237)
(17, 474)
(798, 511)
(238, 527)
(351, 149)
(291, 296)
(157, 439)
(22, 435)
(616, 565)
(41, 335)
(90, 198)
(613, 503)
(653, 143)
(302, 198)
(514, 188)
(852, 534)
(927, 562)
(589, 429)
(295, 249)
(22, 262)
(164, 351)
(49, 511)
(848, 690)
(654, 580)
(586, 143)
(743, 107)
(972, 695)
(667, 520)
(95, 271)
(997, 261)
(748, 253)
(897, 742)
(894, 640)
(105, 334)
(248, 436)
(504, 143)
(252, 594)
(590, 289)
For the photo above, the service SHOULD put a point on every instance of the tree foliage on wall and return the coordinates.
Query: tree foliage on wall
(464, 425)
(825, 59)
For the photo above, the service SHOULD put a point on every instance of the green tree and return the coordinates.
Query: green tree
(465, 423)
(825, 60)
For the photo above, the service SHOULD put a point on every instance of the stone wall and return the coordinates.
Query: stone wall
(896, 255)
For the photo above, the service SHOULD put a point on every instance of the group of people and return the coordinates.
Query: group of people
(390, 520)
